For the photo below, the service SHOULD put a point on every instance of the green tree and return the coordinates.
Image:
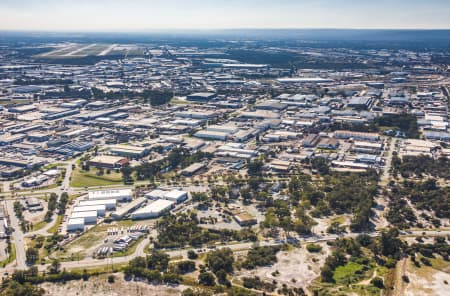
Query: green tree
(206, 278)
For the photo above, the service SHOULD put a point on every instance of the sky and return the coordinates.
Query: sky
(142, 15)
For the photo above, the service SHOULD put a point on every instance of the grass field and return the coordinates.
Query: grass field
(54, 228)
(87, 179)
(345, 273)
(39, 225)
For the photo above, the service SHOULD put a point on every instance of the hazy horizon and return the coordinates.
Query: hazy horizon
(172, 15)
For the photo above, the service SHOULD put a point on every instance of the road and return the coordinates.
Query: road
(17, 235)
(382, 201)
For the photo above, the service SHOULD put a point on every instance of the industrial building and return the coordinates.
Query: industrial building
(110, 204)
(153, 210)
(108, 161)
(89, 217)
(192, 169)
(101, 209)
(172, 195)
(201, 97)
(121, 195)
(176, 195)
(128, 208)
(129, 151)
(75, 224)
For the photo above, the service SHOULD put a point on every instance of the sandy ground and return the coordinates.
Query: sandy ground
(297, 264)
(422, 281)
(99, 286)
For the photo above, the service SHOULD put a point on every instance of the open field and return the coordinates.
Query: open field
(426, 280)
(298, 264)
(86, 179)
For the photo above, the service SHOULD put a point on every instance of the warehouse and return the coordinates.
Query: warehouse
(89, 217)
(271, 105)
(193, 169)
(212, 135)
(360, 102)
(108, 161)
(356, 135)
(101, 209)
(153, 210)
(204, 114)
(121, 195)
(259, 114)
(130, 151)
(126, 209)
(201, 97)
(75, 224)
(11, 139)
(304, 80)
(110, 204)
(155, 194)
(176, 195)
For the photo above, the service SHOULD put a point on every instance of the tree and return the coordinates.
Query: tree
(138, 262)
(54, 267)
(186, 266)
(14, 288)
(255, 167)
(377, 282)
(111, 278)
(158, 261)
(221, 259)
(206, 278)
(390, 244)
(32, 254)
(126, 174)
(192, 255)
(321, 165)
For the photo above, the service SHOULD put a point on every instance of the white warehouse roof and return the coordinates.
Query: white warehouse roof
(76, 221)
(94, 202)
(118, 194)
(84, 214)
(175, 195)
(153, 209)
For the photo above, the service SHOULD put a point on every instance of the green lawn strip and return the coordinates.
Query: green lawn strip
(11, 256)
(39, 225)
(54, 228)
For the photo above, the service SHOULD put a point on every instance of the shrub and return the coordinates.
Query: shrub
(111, 279)
(377, 282)
(405, 278)
(313, 248)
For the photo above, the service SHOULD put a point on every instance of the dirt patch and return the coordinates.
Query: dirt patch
(422, 281)
(99, 286)
(296, 268)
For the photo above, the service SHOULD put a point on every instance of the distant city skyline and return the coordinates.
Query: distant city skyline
(141, 15)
